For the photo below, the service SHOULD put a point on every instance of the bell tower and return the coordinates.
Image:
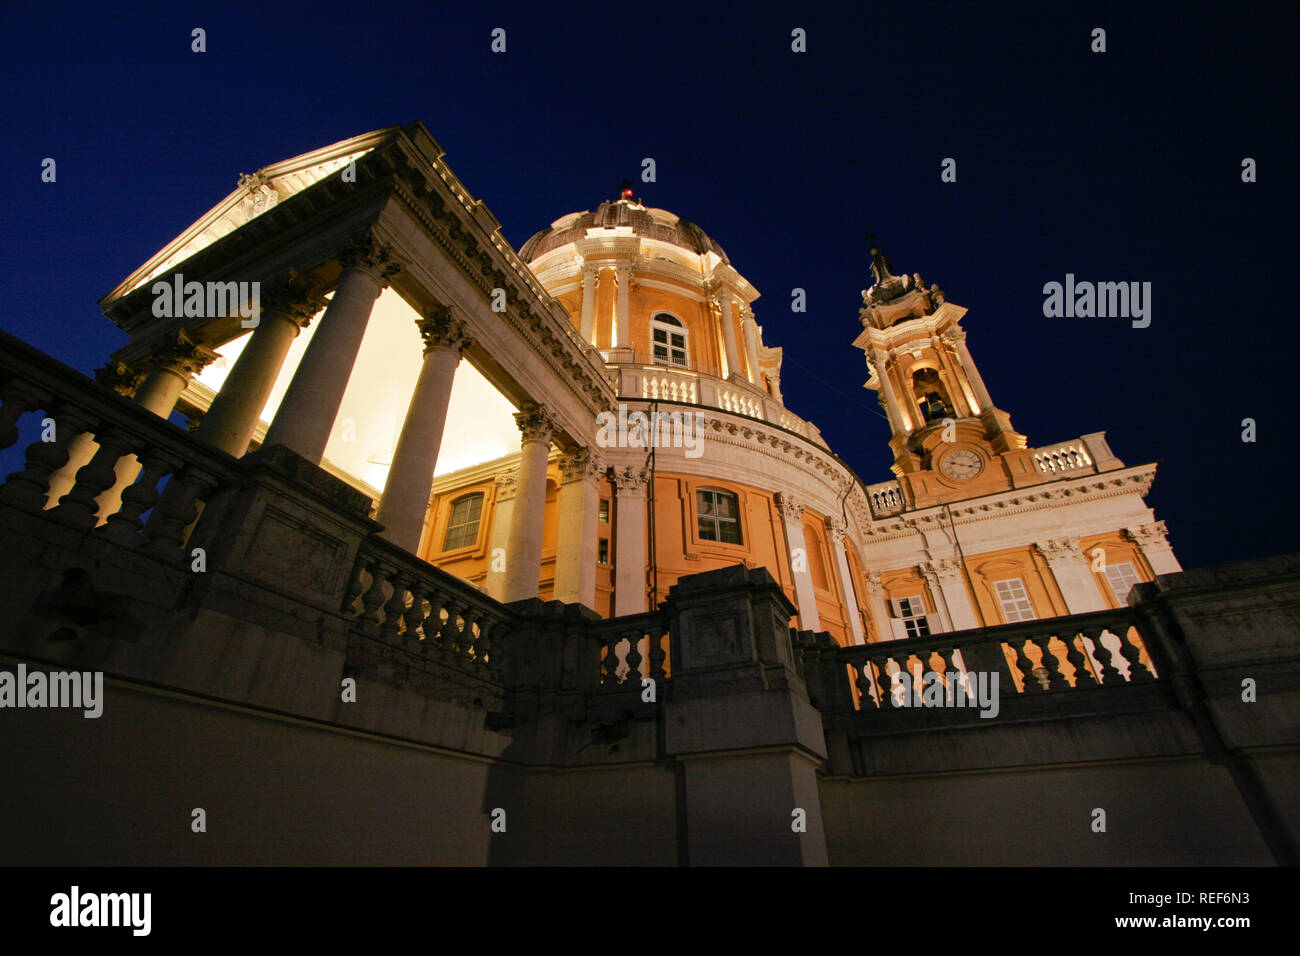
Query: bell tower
(949, 440)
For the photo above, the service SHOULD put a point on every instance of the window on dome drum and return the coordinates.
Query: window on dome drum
(668, 338)
(602, 551)
(462, 526)
(604, 511)
(1014, 600)
(910, 619)
(719, 516)
(1122, 577)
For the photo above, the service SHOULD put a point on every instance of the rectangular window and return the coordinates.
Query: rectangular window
(910, 612)
(1122, 577)
(1014, 600)
(602, 551)
(604, 511)
(719, 516)
(462, 526)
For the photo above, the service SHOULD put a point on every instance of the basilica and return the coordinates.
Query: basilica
(383, 541)
(472, 467)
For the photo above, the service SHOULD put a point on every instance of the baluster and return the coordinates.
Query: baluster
(865, 682)
(885, 682)
(450, 633)
(1023, 664)
(28, 488)
(413, 617)
(125, 526)
(483, 648)
(178, 513)
(19, 399)
(469, 639)
(373, 599)
(1082, 672)
(1136, 672)
(433, 624)
(633, 676)
(79, 507)
(394, 609)
(1101, 654)
(1050, 665)
(657, 653)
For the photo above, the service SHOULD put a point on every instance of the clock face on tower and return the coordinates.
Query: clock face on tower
(962, 464)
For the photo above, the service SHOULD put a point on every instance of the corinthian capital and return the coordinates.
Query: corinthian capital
(836, 528)
(790, 509)
(367, 254)
(440, 329)
(628, 478)
(1059, 549)
(181, 354)
(583, 463)
(535, 423)
(288, 300)
(1145, 534)
(120, 377)
(945, 569)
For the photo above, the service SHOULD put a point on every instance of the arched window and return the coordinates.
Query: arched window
(462, 526)
(668, 338)
(719, 516)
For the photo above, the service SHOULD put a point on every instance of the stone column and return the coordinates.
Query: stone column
(797, 551)
(880, 362)
(630, 541)
(233, 416)
(1073, 575)
(172, 364)
(750, 328)
(306, 416)
(507, 485)
(590, 275)
(623, 313)
(837, 532)
(879, 607)
(575, 549)
(775, 379)
(524, 549)
(948, 587)
(722, 298)
(958, 339)
(1154, 541)
(405, 501)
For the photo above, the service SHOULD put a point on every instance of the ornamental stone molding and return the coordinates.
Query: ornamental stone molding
(535, 424)
(875, 581)
(944, 569)
(364, 252)
(120, 377)
(507, 484)
(179, 353)
(289, 301)
(582, 464)
(440, 329)
(791, 510)
(836, 528)
(628, 478)
(1145, 534)
(1059, 549)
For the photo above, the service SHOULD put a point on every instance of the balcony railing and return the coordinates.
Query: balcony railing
(886, 498)
(1032, 658)
(1065, 457)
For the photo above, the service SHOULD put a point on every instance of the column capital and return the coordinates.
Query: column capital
(875, 581)
(582, 464)
(836, 528)
(791, 510)
(629, 478)
(535, 423)
(288, 300)
(120, 377)
(365, 253)
(590, 272)
(507, 484)
(623, 270)
(179, 353)
(1058, 549)
(440, 329)
(1154, 533)
(942, 569)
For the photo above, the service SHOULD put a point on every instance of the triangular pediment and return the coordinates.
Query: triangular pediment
(255, 194)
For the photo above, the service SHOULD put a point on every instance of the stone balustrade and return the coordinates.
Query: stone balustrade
(886, 498)
(632, 647)
(1058, 655)
(1067, 456)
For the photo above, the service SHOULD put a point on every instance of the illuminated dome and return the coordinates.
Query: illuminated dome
(627, 217)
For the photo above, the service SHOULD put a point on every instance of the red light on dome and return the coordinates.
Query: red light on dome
(627, 194)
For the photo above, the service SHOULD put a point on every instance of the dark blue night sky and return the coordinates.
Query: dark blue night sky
(1122, 166)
